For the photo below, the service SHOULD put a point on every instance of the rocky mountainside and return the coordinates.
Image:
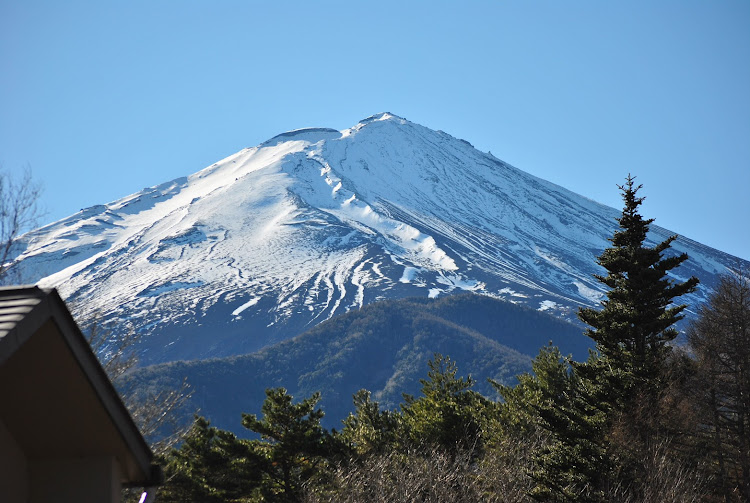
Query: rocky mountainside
(312, 223)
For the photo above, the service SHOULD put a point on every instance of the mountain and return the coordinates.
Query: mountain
(383, 347)
(312, 223)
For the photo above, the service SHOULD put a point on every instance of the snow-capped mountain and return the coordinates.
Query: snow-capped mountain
(314, 222)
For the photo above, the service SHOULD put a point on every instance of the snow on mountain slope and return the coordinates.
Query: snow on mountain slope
(314, 222)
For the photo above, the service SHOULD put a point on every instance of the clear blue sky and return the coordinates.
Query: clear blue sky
(103, 98)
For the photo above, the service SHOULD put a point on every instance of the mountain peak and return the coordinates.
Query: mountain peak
(315, 134)
(382, 116)
(315, 222)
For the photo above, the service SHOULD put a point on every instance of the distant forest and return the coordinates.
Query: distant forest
(383, 347)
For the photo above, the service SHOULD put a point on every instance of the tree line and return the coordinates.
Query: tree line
(640, 420)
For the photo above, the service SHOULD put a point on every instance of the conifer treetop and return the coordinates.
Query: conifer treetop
(637, 317)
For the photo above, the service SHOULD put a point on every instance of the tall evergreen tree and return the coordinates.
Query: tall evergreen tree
(636, 322)
(590, 452)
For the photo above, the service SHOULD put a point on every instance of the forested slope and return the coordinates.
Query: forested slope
(383, 347)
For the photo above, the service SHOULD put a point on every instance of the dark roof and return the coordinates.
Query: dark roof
(35, 330)
(15, 304)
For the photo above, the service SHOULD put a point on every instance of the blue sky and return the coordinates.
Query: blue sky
(102, 99)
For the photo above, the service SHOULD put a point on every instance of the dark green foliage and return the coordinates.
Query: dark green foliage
(450, 444)
(637, 319)
(369, 429)
(549, 377)
(293, 446)
(603, 417)
(449, 415)
(549, 403)
(211, 465)
(573, 465)
(625, 380)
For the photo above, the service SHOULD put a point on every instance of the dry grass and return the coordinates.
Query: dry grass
(429, 474)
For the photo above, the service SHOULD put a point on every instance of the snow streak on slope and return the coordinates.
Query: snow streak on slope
(314, 222)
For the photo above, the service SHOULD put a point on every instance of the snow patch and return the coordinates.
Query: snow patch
(546, 305)
(456, 281)
(249, 303)
(588, 292)
(512, 293)
(409, 274)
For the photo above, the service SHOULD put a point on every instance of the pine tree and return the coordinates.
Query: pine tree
(623, 380)
(293, 443)
(369, 429)
(590, 452)
(633, 329)
(544, 386)
(449, 415)
(211, 465)
(550, 402)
